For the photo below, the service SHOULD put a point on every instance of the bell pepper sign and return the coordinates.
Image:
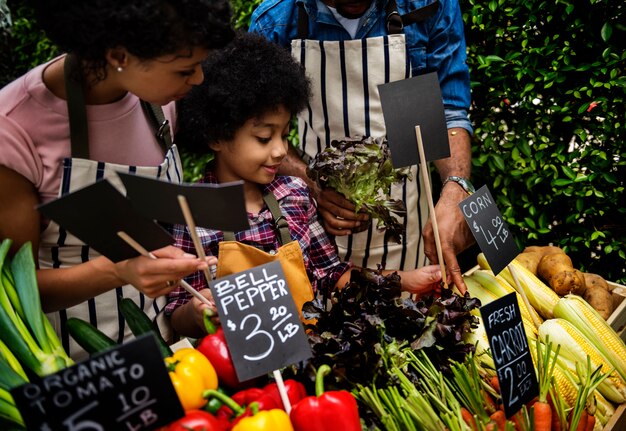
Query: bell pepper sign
(191, 374)
(326, 411)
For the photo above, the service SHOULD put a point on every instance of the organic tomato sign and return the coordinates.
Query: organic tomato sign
(125, 388)
(511, 355)
(260, 320)
(489, 229)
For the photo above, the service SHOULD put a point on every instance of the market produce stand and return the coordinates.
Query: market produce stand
(618, 317)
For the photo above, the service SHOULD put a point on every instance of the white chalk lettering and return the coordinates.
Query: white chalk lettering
(502, 315)
(509, 345)
(476, 205)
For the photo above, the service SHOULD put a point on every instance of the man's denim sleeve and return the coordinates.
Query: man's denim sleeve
(458, 118)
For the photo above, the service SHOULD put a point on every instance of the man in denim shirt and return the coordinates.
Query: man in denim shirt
(348, 48)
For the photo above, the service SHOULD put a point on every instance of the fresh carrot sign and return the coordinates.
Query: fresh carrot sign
(260, 320)
(510, 351)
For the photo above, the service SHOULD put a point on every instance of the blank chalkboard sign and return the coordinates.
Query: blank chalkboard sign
(125, 388)
(260, 320)
(489, 229)
(511, 355)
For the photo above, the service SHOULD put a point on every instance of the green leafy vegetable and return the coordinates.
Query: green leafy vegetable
(362, 331)
(361, 170)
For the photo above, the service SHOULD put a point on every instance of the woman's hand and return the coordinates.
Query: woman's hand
(157, 277)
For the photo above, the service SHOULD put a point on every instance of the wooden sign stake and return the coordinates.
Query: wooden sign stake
(431, 205)
(191, 225)
(282, 390)
(139, 248)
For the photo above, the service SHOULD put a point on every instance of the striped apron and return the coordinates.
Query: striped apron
(345, 103)
(59, 249)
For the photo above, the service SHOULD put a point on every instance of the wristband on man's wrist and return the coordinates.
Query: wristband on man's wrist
(463, 182)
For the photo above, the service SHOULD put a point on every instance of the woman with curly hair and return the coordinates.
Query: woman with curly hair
(106, 105)
(241, 113)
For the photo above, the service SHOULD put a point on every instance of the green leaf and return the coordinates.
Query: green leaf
(560, 182)
(606, 31)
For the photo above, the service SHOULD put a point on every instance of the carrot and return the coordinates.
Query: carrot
(468, 418)
(591, 422)
(490, 404)
(582, 423)
(518, 420)
(556, 422)
(495, 383)
(500, 419)
(542, 413)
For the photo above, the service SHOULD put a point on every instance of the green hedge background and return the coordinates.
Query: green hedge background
(549, 111)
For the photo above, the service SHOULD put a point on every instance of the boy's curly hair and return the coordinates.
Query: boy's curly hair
(250, 77)
(146, 28)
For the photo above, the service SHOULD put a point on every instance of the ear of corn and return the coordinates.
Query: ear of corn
(500, 288)
(541, 297)
(580, 314)
(604, 408)
(566, 384)
(575, 348)
(478, 338)
(477, 290)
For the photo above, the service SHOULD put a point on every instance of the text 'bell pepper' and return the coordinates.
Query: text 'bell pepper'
(266, 420)
(191, 374)
(197, 420)
(326, 411)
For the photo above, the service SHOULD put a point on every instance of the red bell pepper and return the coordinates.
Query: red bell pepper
(198, 420)
(334, 410)
(214, 347)
(295, 392)
(264, 400)
(232, 412)
(267, 398)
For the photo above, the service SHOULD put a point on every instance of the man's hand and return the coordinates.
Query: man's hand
(339, 215)
(454, 233)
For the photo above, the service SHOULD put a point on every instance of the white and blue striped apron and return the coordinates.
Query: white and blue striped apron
(345, 103)
(60, 249)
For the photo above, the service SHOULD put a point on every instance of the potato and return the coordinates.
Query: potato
(600, 299)
(530, 260)
(557, 270)
(543, 249)
(580, 288)
(595, 280)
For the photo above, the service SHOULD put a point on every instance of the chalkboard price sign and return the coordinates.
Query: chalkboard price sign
(489, 229)
(511, 355)
(125, 388)
(260, 320)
